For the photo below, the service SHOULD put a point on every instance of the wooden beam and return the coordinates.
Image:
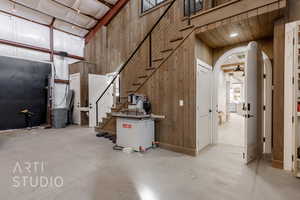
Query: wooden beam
(110, 5)
(230, 70)
(45, 50)
(278, 94)
(12, 1)
(52, 41)
(61, 81)
(106, 19)
(233, 64)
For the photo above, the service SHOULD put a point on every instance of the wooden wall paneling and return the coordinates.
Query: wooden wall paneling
(175, 79)
(253, 28)
(230, 11)
(278, 106)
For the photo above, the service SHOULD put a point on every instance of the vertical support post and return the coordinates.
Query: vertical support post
(51, 41)
(189, 12)
(50, 101)
(97, 117)
(278, 95)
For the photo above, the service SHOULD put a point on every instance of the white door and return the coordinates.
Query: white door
(204, 105)
(97, 84)
(267, 115)
(252, 133)
(75, 86)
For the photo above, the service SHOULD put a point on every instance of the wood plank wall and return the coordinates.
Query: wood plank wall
(278, 94)
(174, 80)
(219, 2)
(113, 45)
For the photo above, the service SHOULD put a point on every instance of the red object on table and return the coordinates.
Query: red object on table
(298, 107)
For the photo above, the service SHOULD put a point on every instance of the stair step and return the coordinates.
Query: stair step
(136, 84)
(166, 50)
(104, 120)
(100, 130)
(157, 59)
(145, 76)
(176, 39)
(187, 27)
(150, 68)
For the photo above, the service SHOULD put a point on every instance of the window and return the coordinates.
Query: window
(148, 4)
(192, 6)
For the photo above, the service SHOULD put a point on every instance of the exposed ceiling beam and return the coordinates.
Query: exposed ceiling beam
(232, 64)
(110, 5)
(47, 14)
(87, 15)
(106, 19)
(45, 50)
(231, 70)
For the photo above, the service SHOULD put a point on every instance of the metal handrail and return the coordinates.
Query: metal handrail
(131, 56)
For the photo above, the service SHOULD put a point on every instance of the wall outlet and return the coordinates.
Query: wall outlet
(181, 103)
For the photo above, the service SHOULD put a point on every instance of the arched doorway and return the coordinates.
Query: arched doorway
(227, 101)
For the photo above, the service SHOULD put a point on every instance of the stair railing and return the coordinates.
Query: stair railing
(118, 72)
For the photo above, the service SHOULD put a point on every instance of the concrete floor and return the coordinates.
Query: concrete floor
(232, 132)
(91, 170)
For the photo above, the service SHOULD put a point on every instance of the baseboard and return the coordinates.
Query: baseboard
(277, 164)
(178, 149)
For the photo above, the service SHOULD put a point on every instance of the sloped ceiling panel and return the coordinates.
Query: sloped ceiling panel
(69, 3)
(112, 1)
(69, 28)
(61, 12)
(92, 7)
(74, 16)
(21, 11)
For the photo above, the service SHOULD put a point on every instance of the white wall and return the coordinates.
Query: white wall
(61, 71)
(68, 43)
(26, 32)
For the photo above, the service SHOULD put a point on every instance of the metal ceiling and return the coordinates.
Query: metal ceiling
(76, 17)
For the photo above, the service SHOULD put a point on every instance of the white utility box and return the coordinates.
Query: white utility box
(135, 133)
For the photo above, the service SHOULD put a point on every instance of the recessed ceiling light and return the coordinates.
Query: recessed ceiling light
(232, 35)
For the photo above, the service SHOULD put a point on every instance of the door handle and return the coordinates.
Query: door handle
(244, 107)
(249, 116)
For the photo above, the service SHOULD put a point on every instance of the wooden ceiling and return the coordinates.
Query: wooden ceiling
(249, 29)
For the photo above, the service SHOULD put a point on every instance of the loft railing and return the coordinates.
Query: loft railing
(121, 69)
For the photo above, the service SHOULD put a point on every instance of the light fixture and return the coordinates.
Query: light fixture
(232, 35)
(238, 69)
